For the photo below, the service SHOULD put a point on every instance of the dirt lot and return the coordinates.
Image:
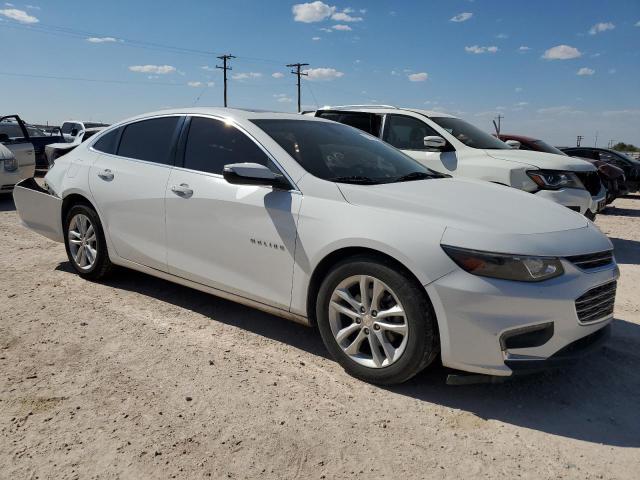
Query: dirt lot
(140, 378)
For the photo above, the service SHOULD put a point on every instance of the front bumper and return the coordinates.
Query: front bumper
(475, 312)
(576, 199)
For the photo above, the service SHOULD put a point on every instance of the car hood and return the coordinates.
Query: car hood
(543, 160)
(468, 205)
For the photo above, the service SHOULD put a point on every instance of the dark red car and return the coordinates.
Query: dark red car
(612, 177)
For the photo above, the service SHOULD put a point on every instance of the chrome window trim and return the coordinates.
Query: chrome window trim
(232, 122)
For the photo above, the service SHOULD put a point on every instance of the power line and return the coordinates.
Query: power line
(224, 59)
(298, 73)
(96, 80)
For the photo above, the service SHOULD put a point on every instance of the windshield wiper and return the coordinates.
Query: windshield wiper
(358, 179)
(418, 176)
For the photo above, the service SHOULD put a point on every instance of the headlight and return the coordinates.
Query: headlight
(507, 267)
(555, 179)
(10, 164)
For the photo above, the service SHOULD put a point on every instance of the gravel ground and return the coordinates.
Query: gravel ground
(140, 378)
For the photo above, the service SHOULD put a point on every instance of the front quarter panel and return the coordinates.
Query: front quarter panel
(327, 225)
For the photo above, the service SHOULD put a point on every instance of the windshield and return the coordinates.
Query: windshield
(340, 153)
(627, 157)
(545, 147)
(470, 135)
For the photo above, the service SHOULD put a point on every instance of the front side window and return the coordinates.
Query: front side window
(336, 152)
(151, 140)
(212, 144)
(68, 127)
(406, 133)
(469, 134)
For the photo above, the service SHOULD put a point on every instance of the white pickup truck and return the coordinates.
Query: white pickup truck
(450, 145)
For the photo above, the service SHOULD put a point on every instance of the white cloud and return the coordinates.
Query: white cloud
(323, 74)
(277, 75)
(418, 77)
(560, 110)
(524, 48)
(617, 113)
(32, 7)
(246, 76)
(637, 24)
(157, 69)
(612, 71)
(345, 17)
(561, 52)
(477, 49)
(601, 27)
(522, 104)
(502, 36)
(519, 89)
(585, 71)
(18, 15)
(312, 12)
(200, 84)
(282, 98)
(461, 17)
(315, 39)
(342, 28)
(102, 40)
(207, 68)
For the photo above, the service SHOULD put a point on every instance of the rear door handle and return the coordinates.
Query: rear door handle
(106, 174)
(182, 190)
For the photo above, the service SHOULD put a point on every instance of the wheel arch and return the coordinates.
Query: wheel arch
(75, 199)
(337, 256)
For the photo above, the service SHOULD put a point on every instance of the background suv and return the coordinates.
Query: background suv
(630, 166)
(450, 145)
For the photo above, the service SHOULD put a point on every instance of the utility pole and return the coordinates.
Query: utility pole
(497, 126)
(578, 140)
(298, 73)
(225, 59)
(595, 144)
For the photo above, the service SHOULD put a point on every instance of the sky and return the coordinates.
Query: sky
(554, 69)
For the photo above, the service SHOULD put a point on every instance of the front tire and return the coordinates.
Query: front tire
(85, 243)
(376, 321)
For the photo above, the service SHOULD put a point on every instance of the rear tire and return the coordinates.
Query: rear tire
(385, 337)
(85, 243)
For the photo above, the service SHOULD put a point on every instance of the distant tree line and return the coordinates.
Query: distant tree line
(625, 147)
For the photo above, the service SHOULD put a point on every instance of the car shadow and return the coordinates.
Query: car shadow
(6, 202)
(622, 212)
(626, 251)
(594, 401)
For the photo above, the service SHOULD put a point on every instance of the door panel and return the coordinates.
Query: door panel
(24, 153)
(240, 239)
(130, 197)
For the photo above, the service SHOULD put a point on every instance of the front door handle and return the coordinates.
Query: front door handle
(182, 190)
(106, 174)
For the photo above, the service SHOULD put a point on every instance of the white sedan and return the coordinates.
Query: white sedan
(326, 225)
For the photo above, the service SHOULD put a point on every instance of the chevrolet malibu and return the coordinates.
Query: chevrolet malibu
(326, 225)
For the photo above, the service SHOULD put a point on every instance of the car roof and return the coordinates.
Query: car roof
(386, 109)
(231, 113)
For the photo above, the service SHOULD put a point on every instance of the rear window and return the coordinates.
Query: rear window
(366, 122)
(150, 140)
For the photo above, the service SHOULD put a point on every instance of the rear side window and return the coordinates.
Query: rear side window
(151, 140)
(212, 144)
(107, 143)
(406, 133)
(367, 122)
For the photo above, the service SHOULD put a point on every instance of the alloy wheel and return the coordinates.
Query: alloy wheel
(83, 242)
(368, 321)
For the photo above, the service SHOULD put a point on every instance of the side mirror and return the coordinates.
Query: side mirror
(435, 142)
(513, 144)
(254, 174)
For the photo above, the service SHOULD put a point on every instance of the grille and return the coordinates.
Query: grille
(591, 181)
(597, 303)
(592, 260)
